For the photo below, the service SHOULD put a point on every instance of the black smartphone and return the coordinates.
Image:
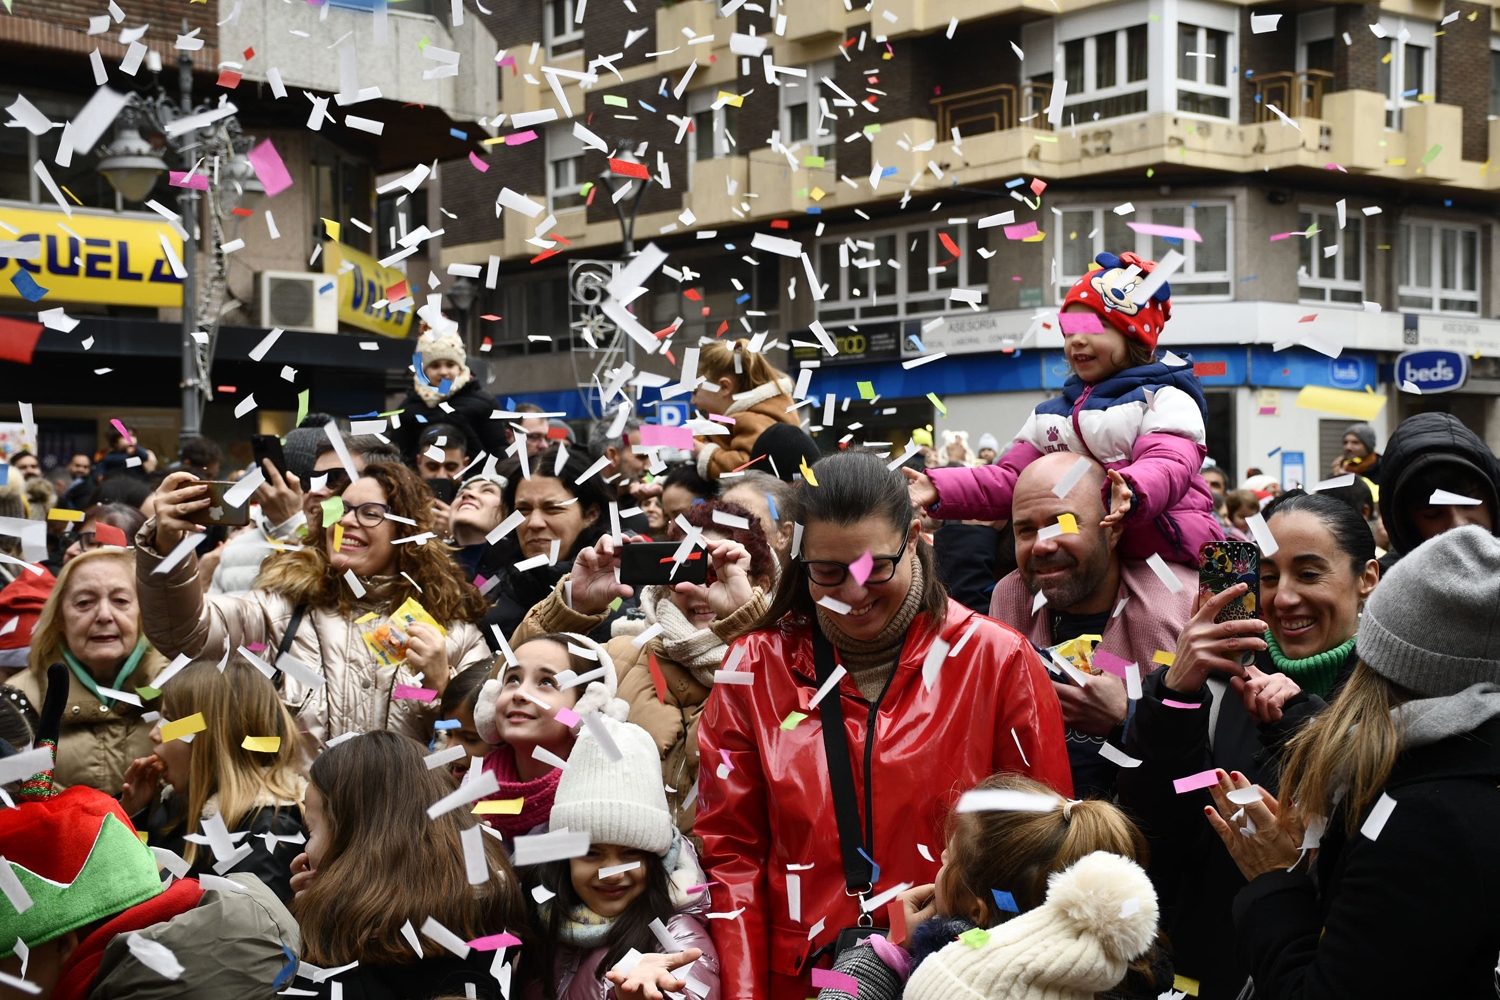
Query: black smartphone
(265, 446)
(444, 489)
(646, 563)
(1221, 565)
(218, 512)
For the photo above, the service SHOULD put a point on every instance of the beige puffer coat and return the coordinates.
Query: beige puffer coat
(356, 697)
(96, 744)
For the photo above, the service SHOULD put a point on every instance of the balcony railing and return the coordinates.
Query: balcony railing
(992, 109)
(1297, 95)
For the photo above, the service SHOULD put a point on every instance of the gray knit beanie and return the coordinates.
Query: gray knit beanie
(301, 451)
(1433, 624)
(1365, 432)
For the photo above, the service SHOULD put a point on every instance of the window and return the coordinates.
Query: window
(1439, 268)
(1494, 79)
(564, 171)
(902, 273)
(715, 131)
(341, 189)
(1207, 265)
(1203, 57)
(806, 117)
(531, 308)
(1331, 268)
(1106, 75)
(397, 214)
(561, 33)
(1406, 72)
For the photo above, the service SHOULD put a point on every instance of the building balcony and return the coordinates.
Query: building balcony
(523, 88)
(814, 20)
(698, 17)
(709, 199)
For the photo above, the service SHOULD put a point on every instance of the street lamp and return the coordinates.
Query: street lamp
(130, 164)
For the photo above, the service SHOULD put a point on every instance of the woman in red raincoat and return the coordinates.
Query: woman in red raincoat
(934, 698)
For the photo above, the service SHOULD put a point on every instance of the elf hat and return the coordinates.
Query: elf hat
(78, 859)
(1108, 291)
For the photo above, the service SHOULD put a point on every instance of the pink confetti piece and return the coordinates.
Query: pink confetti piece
(520, 138)
(1080, 322)
(657, 436)
(841, 981)
(269, 168)
(1110, 663)
(567, 717)
(695, 889)
(494, 942)
(507, 61)
(724, 756)
(861, 568)
(479, 164)
(1180, 704)
(121, 428)
(1193, 782)
(1021, 231)
(256, 647)
(415, 693)
(178, 179)
(1175, 232)
(721, 418)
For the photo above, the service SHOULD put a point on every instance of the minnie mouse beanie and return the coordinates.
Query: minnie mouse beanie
(1109, 290)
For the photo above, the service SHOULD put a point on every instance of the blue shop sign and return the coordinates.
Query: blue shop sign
(1297, 367)
(1433, 371)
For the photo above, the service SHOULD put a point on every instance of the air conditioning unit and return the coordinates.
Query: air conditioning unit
(293, 300)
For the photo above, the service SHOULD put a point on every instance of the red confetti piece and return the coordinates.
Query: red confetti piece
(948, 243)
(250, 53)
(627, 169)
(780, 224)
(229, 79)
(693, 294)
(397, 292)
(557, 433)
(1202, 368)
(723, 328)
(243, 213)
(657, 678)
(543, 256)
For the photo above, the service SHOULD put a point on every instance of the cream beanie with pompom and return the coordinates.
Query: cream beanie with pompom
(599, 696)
(1099, 916)
(618, 801)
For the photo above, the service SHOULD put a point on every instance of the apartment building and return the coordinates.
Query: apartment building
(350, 97)
(879, 136)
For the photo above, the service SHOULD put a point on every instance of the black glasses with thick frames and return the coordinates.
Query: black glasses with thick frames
(370, 515)
(85, 540)
(827, 573)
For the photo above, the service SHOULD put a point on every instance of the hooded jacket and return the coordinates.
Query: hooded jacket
(356, 695)
(767, 802)
(1406, 914)
(752, 413)
(1146, 423)
(1420, 444)
(469, 409)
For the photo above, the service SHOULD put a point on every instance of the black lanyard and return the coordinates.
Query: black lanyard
(858, 874)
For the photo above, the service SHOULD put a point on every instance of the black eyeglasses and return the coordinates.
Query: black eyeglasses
(338, 478)
(827, 573)
(85, 539)
(369, 515)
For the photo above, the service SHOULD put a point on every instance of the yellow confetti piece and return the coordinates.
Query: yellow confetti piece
(1163, 657)
(1387, 58)
(183, 727)
(807, 474)
(338, 537)
(1068, 523)
(1344, 402)
(938, 403)
(332, 229)
(790, 722)
(866, 390)
(498, 807)
(142, 834)
(1396, 161)
(492, 141)
(59, 514)
(1186, 985)
(70, 194)
(1034, 238)
(262, 744)
(733, 100)
(817, 194)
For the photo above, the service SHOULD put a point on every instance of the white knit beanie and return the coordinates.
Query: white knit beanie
(1099, 916)
(434, 346)
(599, 696)
(617, 801)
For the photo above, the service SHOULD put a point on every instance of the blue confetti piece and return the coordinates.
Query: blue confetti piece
(1447, 202)
(1015, 183)
(326, 289)
(445, 387)
(27, 287)
(446, 724)
(510, 405)
(888, 172)
(287, 970)
(1257, 98)
(816, 210)
(1409, 93)
(742, 299)
(458, 134)
(416, 363)
(420, 419)
(770, 500)
(1250, 277)
(364, 416)
(662, 90)
(5, 475)
(645, 105)
(729, 246)
(1005, 901)
(1273, 451)
(874, 878)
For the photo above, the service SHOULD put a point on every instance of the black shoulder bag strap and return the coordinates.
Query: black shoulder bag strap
(285, 645)
(858, 875)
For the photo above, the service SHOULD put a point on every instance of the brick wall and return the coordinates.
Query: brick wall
(62, 26)
(655, 129)
(605, 28)
(854, 157)
(517, 22)
(520, 168)
(1463, 62)
(1356, 66)
(1264, 54)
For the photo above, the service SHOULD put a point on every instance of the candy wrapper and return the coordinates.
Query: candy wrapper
(388, 639)
(1079, 652)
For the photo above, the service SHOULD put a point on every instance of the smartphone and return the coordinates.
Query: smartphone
(227, 516)
(444, 489)
(266, 446)
(645, 563)
(1221, 565)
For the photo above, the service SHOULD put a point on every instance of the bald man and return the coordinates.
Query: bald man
(1089, 590)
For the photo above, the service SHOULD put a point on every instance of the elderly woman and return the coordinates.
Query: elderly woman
(327, 605)
(667, 678)
(1236, 690)
(92, 622)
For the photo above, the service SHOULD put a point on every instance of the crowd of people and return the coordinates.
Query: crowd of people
(961, 723)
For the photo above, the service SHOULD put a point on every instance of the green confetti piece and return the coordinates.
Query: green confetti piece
(333, 511)
(422, 43)
(1431, 154)
(615, 604)
(866, 390)
(1150, 171)
(802, 192)
(583, 192)
(616, 102)
(872, 128)
(790, 722)
(147, 693)
(812, 161)
(302, 406)
(975, 937)
(938, 403)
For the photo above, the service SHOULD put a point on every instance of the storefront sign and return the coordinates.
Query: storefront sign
(1433, 371)
(973, 334)
(856, 342)
(118, 261)
(1466, 336)
(363, 285)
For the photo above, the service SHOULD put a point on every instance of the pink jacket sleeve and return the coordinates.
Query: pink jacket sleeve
(982, 493)
(1161, 471)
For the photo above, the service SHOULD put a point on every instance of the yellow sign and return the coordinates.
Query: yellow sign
(363, 285)
(120, 261)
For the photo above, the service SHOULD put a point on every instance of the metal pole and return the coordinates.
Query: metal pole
(187, 200)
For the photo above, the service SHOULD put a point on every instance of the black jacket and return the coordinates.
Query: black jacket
(440, 974)
(969, 561)
(472, 407)
(1421, 443)
(273, 867)
(1410, 914)
(1195, 878)
(517, 593)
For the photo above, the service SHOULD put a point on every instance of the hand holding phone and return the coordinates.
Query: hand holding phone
(217, 512)
(1221, 565)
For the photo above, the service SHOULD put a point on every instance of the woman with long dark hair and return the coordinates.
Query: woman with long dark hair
(926, 697)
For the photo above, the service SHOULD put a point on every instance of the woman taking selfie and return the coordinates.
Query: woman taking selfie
(1226, 714)
(92, 622)
(320, 603)
(910, 726)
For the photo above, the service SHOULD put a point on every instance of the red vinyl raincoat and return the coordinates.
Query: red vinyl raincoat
(990, 709)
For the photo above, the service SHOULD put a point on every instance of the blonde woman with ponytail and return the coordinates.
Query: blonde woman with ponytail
(741, 384)
(1375, 873)
(257, 789)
